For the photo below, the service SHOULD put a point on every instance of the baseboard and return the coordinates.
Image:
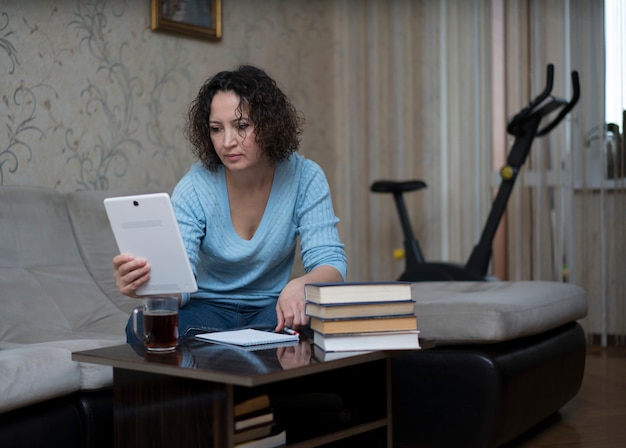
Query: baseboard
(618, 340)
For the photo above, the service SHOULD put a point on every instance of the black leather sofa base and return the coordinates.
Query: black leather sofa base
(484, 395)
(80, 420)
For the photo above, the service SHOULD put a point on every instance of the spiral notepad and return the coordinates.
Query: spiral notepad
(247, 337)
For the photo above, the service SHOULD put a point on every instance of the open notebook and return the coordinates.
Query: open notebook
(250, 338)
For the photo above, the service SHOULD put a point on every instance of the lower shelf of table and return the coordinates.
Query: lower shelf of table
(160, 410)
(341, 435)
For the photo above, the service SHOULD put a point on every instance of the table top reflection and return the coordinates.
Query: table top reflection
(197, 359)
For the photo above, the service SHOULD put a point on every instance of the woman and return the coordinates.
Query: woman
(242, 207)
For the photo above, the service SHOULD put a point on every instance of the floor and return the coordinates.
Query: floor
(596, 417)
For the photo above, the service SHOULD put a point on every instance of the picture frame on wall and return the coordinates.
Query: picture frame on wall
(201, 19)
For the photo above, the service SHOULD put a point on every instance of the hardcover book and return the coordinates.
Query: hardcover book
(366, 325)
(256, 432)
(252, 404)
(273, 440)
(391, 340)
(357, 292)
(374, 309)
(256, 420)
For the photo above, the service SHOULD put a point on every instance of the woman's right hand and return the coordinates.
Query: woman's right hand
(130, 273)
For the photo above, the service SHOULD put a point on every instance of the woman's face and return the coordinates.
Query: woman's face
(232, 133)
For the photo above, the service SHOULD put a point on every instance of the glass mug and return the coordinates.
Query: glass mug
(160, 323)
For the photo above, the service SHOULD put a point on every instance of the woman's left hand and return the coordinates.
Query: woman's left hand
(290, 308)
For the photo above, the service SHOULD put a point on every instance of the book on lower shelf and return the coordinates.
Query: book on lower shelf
(252, 405)
(255, 424)
(256, 432)
(365, 325)
(377, 309)
(357, 292)
(388, 340)
(270, 441)
(249, 421)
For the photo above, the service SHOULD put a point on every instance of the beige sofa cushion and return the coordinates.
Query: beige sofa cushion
(92, 376)
(36, 372)
(489, 312)
(33, 374)
(47, 293)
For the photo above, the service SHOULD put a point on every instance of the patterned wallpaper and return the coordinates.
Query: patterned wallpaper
(93, 99)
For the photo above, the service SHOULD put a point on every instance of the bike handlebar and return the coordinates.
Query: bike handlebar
(536, 108)
(568, 106)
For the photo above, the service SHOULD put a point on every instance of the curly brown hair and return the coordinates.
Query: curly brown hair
(277, 123)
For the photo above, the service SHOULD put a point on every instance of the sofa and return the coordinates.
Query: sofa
(508, 354)
(57, 296)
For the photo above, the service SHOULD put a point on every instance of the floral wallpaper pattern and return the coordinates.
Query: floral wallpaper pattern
(81, 99)
(93, 99)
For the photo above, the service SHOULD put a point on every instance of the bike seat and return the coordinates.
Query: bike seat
(392, 186)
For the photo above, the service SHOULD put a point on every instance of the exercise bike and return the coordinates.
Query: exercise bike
(524, 126)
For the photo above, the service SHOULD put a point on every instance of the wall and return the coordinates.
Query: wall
(93, 99)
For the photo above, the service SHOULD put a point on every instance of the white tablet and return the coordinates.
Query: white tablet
(145, 226)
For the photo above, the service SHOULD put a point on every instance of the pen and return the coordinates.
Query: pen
(290, 331)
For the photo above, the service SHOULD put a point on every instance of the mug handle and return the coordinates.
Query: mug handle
(137, 314)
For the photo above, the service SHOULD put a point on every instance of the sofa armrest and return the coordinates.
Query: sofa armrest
(33, 374)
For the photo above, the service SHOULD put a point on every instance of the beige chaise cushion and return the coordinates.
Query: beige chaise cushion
(489, 312)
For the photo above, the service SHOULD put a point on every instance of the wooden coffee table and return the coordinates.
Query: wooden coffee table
(186, 398)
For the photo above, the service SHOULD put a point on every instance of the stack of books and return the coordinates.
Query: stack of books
(255, 425)
(362, 316)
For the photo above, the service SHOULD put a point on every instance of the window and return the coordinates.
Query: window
(615, 41)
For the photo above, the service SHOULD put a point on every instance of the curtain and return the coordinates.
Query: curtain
(425, 93)
(566, 221)
(412, 104)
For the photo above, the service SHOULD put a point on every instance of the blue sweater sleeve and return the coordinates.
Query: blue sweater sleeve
(317, 224)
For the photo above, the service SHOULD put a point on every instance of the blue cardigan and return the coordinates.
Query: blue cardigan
(229, 268)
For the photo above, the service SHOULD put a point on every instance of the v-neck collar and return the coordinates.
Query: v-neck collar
(226, 206)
